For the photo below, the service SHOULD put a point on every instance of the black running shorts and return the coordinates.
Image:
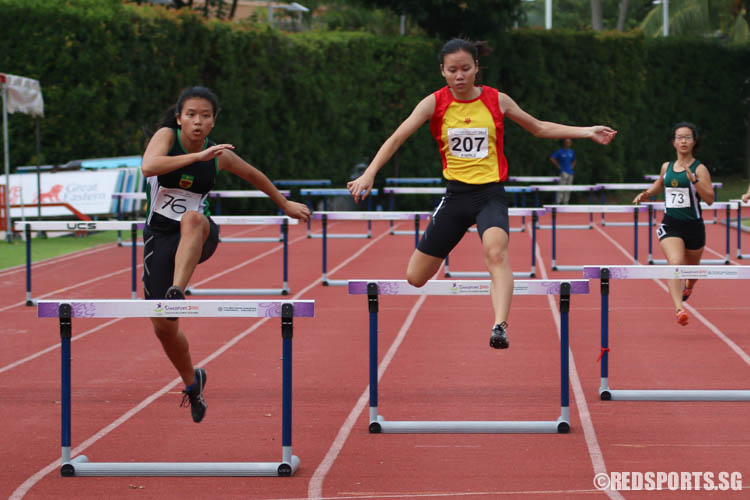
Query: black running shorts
(693, 233)
(159, 250)
(462, 206)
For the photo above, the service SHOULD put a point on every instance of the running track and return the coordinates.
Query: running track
(435, 365)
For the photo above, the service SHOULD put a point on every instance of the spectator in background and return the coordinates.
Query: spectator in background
(565, 160)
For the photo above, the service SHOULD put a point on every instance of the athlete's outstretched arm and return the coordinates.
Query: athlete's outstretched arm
(156, 162)
(550, 130)
(239, 167)
(654, 189)
(362, 186)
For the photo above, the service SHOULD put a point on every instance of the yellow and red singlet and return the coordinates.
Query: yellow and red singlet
(470, 137)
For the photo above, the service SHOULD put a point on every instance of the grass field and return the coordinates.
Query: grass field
(14, 254)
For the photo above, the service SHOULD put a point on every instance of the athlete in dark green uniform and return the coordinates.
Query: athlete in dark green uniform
(682, 234)
(181, 166)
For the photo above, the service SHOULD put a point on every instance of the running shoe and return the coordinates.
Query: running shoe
(682, 317)
(174, 293)
(499, 337)
(193, 396)
(686, 292)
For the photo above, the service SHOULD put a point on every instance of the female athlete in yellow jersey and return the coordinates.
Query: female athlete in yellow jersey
(467, 123)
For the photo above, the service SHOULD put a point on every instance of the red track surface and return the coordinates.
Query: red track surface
(435, 365)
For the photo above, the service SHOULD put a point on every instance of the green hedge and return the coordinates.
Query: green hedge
(314, 104)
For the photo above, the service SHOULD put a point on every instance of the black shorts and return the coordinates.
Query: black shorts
(693, 233)
(462, 206)
(159, 249)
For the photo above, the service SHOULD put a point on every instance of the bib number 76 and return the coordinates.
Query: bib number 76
(174, 203)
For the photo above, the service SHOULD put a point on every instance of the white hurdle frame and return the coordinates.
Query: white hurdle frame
(607, 273)
(249, 193)
(218, 195)
(122, 196)
(324, 217)
(374, 288)
(391, 191)
(76, 226)
(325, 193)
(228, 220)
(535, 213)
(740, 205)
(716, 206)
(591, 209)
(573, 188)
(65, 310)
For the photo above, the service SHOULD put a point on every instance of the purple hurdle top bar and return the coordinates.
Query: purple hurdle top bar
(175, 308)
(466, 287)
(669, 272)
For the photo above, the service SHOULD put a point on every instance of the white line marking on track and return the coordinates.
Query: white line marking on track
(56, 260)
(721, 335)
(21, 491)
(589, 433)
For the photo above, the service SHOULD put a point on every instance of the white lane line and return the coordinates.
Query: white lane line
(21, 491)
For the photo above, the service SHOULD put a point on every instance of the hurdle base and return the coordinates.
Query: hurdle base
(674, 395)
(382, 426)
(343, 236)
(80, 466)
(568, 226)
(620, 223)
(405, 233)
(485, 274)
(258, 239)
(327, 282)
(566, 268)
(237, 291)
(703, 261)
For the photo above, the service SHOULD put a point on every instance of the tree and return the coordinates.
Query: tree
(474, 19)
(220, 9)
(597, 21)
(721, 18)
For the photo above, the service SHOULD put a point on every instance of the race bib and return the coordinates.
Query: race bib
(677, 197)
(173, 202)
(468, 142)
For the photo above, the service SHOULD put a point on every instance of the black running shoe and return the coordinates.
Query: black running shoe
(193, 395)
(174, 293)
(499, 337)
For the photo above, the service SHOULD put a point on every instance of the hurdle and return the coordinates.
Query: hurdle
(87, 226)
(392, 191)
(121, 197)
(607, 273)
(739, 204)
(240, 193)
(592, 209)
(522, 212)
(65, 310)
(589, 188)
(325, 193)
(563, 288)
(410, 181)
(621, 186)
(716, 206)
(301, 182)
(324, 217)
(281, 220)
(534, 179)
